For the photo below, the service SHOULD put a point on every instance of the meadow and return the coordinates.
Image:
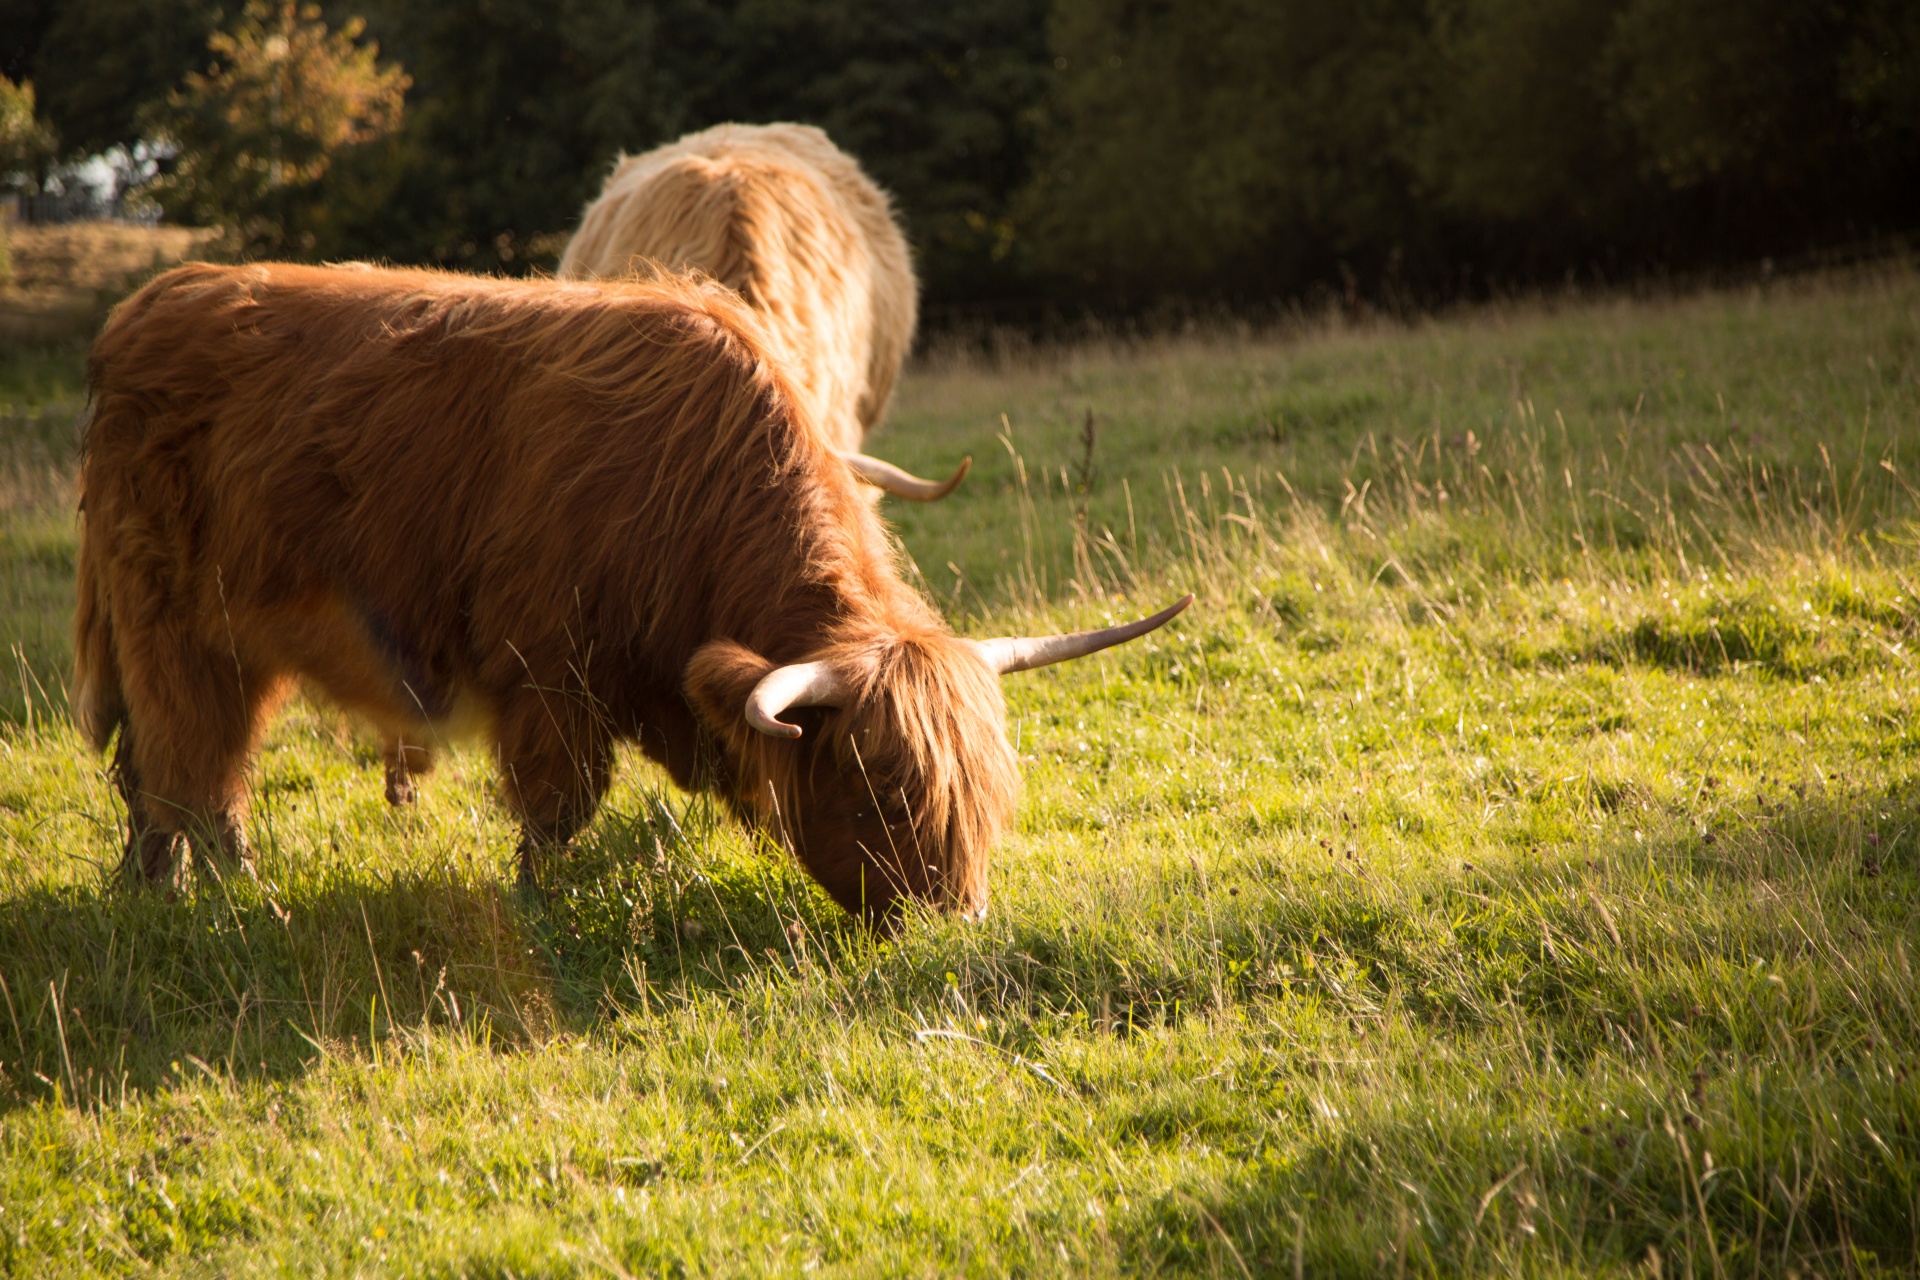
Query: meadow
(57, 280)
(1511, 864)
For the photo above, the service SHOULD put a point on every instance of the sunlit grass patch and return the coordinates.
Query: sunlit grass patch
(1509, 864)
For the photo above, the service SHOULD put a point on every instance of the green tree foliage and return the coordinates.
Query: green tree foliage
(1191, 141)
(1252, 147)
(1513, 127)
(100, 62)
(941, 103)
(1881, 76)
(524, 104)
(257, 131)
(25, 144)
(1113, 151)
(23, 27)
(520, 105)
(25, 140)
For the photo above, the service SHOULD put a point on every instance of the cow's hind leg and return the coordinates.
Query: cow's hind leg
(152, 854)
(194, 714)
(556, 759)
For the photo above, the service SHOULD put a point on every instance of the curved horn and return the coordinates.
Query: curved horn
(1023, 653)
(801, 684)
(902, 484)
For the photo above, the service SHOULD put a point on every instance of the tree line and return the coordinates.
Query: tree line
(1064, 153)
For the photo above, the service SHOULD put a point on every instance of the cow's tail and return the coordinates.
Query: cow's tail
(99, 704)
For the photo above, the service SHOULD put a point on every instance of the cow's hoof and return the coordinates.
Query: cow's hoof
(151, 858)
(224, 852)
(527, 880)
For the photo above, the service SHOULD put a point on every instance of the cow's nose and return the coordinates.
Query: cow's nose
(976, 913)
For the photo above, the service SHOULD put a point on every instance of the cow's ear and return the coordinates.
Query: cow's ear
(718, 679)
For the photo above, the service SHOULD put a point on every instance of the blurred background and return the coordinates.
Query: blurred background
(1050, 157)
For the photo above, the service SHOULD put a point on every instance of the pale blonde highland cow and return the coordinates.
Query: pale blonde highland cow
(791, 223)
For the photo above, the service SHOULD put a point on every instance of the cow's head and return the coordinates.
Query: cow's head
(882, 760)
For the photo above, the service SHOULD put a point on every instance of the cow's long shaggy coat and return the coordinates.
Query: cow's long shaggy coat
(790, 221)
(569, 515)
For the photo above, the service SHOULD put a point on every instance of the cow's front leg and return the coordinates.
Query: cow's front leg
(222, 845)
(151, 854)
(194, 713)
(537, 849)
(404, 761)
(556, 759)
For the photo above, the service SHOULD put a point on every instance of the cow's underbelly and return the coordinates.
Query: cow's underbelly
(353, 657)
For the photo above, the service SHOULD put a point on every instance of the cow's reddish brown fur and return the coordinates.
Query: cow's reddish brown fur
(577, 514)
(790, 222)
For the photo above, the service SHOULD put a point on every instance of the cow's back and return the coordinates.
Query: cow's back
(780, 214)
(473, 467)
(296, 423)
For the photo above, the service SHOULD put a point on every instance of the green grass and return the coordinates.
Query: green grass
(1511, 864)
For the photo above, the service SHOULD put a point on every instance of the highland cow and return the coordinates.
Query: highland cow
(790, 222)
(566, 515)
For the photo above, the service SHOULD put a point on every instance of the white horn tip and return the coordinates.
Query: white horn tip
(801, 684)
(768, 725)
(953, 482)
(885, 476)
(1024, 653)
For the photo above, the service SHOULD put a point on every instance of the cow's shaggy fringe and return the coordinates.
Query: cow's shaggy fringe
(789, 220)
(567, 514)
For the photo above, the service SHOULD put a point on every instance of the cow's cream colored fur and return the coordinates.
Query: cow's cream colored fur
(789, 221)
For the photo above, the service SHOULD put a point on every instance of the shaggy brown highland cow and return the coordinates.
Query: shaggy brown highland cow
(566, 515)
(790, 221)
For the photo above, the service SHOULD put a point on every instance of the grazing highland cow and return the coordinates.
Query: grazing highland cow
(568, 515)
(788, 220)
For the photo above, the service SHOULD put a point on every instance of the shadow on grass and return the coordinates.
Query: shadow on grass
(1837, 629)
(1698, 1054)
(1643, 953)
(111, 989)
(1791, 1171)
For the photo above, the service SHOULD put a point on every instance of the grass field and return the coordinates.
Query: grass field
(1510, 865)
(56, 281)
